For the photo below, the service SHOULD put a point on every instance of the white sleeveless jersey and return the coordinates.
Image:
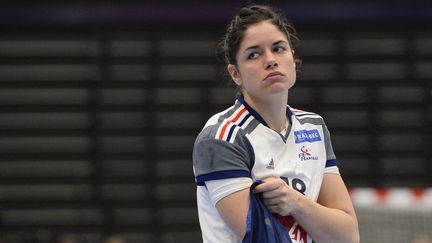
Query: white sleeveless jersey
(237, 144)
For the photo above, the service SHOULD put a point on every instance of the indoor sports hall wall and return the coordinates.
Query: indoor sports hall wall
(100, 105)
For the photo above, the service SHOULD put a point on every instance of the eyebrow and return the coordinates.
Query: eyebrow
(257, 46)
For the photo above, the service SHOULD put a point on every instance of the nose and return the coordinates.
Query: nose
(270, 61)
(271, 64)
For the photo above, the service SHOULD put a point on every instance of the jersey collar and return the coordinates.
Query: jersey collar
(257, 116)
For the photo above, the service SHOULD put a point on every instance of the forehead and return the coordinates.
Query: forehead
(261, 34)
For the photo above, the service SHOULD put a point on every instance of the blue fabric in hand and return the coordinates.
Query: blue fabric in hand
(261, 225)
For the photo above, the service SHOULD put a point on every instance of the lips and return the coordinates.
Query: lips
(273, 75)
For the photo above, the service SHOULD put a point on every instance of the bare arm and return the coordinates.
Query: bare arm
(330, 219)
(233, 209)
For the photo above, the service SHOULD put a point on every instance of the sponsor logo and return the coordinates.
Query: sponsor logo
(306, 154)
(310, 136)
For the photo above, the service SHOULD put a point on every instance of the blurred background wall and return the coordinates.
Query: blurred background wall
(100, 104)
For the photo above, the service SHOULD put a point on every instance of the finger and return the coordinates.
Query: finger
(264, 187)
(271, 201)
(268, 185)
(274, 209)
(271, 194)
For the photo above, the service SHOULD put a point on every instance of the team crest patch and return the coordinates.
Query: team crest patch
(310, 136)
(306, 154)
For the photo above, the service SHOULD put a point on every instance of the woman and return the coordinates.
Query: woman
(260, 137)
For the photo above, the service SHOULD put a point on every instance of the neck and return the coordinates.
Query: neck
(272, 110)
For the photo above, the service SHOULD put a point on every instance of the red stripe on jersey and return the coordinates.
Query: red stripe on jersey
(221, 135)
(301, 112)
(296, 110)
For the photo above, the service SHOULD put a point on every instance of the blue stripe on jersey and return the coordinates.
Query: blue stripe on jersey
(221, 175)
(230, 132)
(234, 126)
(289, 114)
(252, 111)
(244, 119)
(331, 162)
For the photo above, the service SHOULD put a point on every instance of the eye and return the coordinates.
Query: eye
(252, 56)
(279, 49)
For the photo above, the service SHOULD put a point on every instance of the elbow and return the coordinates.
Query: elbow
(355, 237)
(350, 236)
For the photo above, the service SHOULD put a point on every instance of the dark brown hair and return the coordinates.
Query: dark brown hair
(227, 49)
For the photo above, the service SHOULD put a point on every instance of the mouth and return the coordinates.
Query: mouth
(273, 75)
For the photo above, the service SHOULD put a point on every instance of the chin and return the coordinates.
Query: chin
(280, 87)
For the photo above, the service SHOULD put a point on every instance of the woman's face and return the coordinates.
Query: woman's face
(265, 62)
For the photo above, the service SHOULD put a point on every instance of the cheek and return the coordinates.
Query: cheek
(290, 65)
(244, 71)
(290, 68)
(248, 74)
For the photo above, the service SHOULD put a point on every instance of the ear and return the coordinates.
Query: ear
(234, 73)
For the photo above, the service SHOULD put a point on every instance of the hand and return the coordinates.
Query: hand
(278, 196)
